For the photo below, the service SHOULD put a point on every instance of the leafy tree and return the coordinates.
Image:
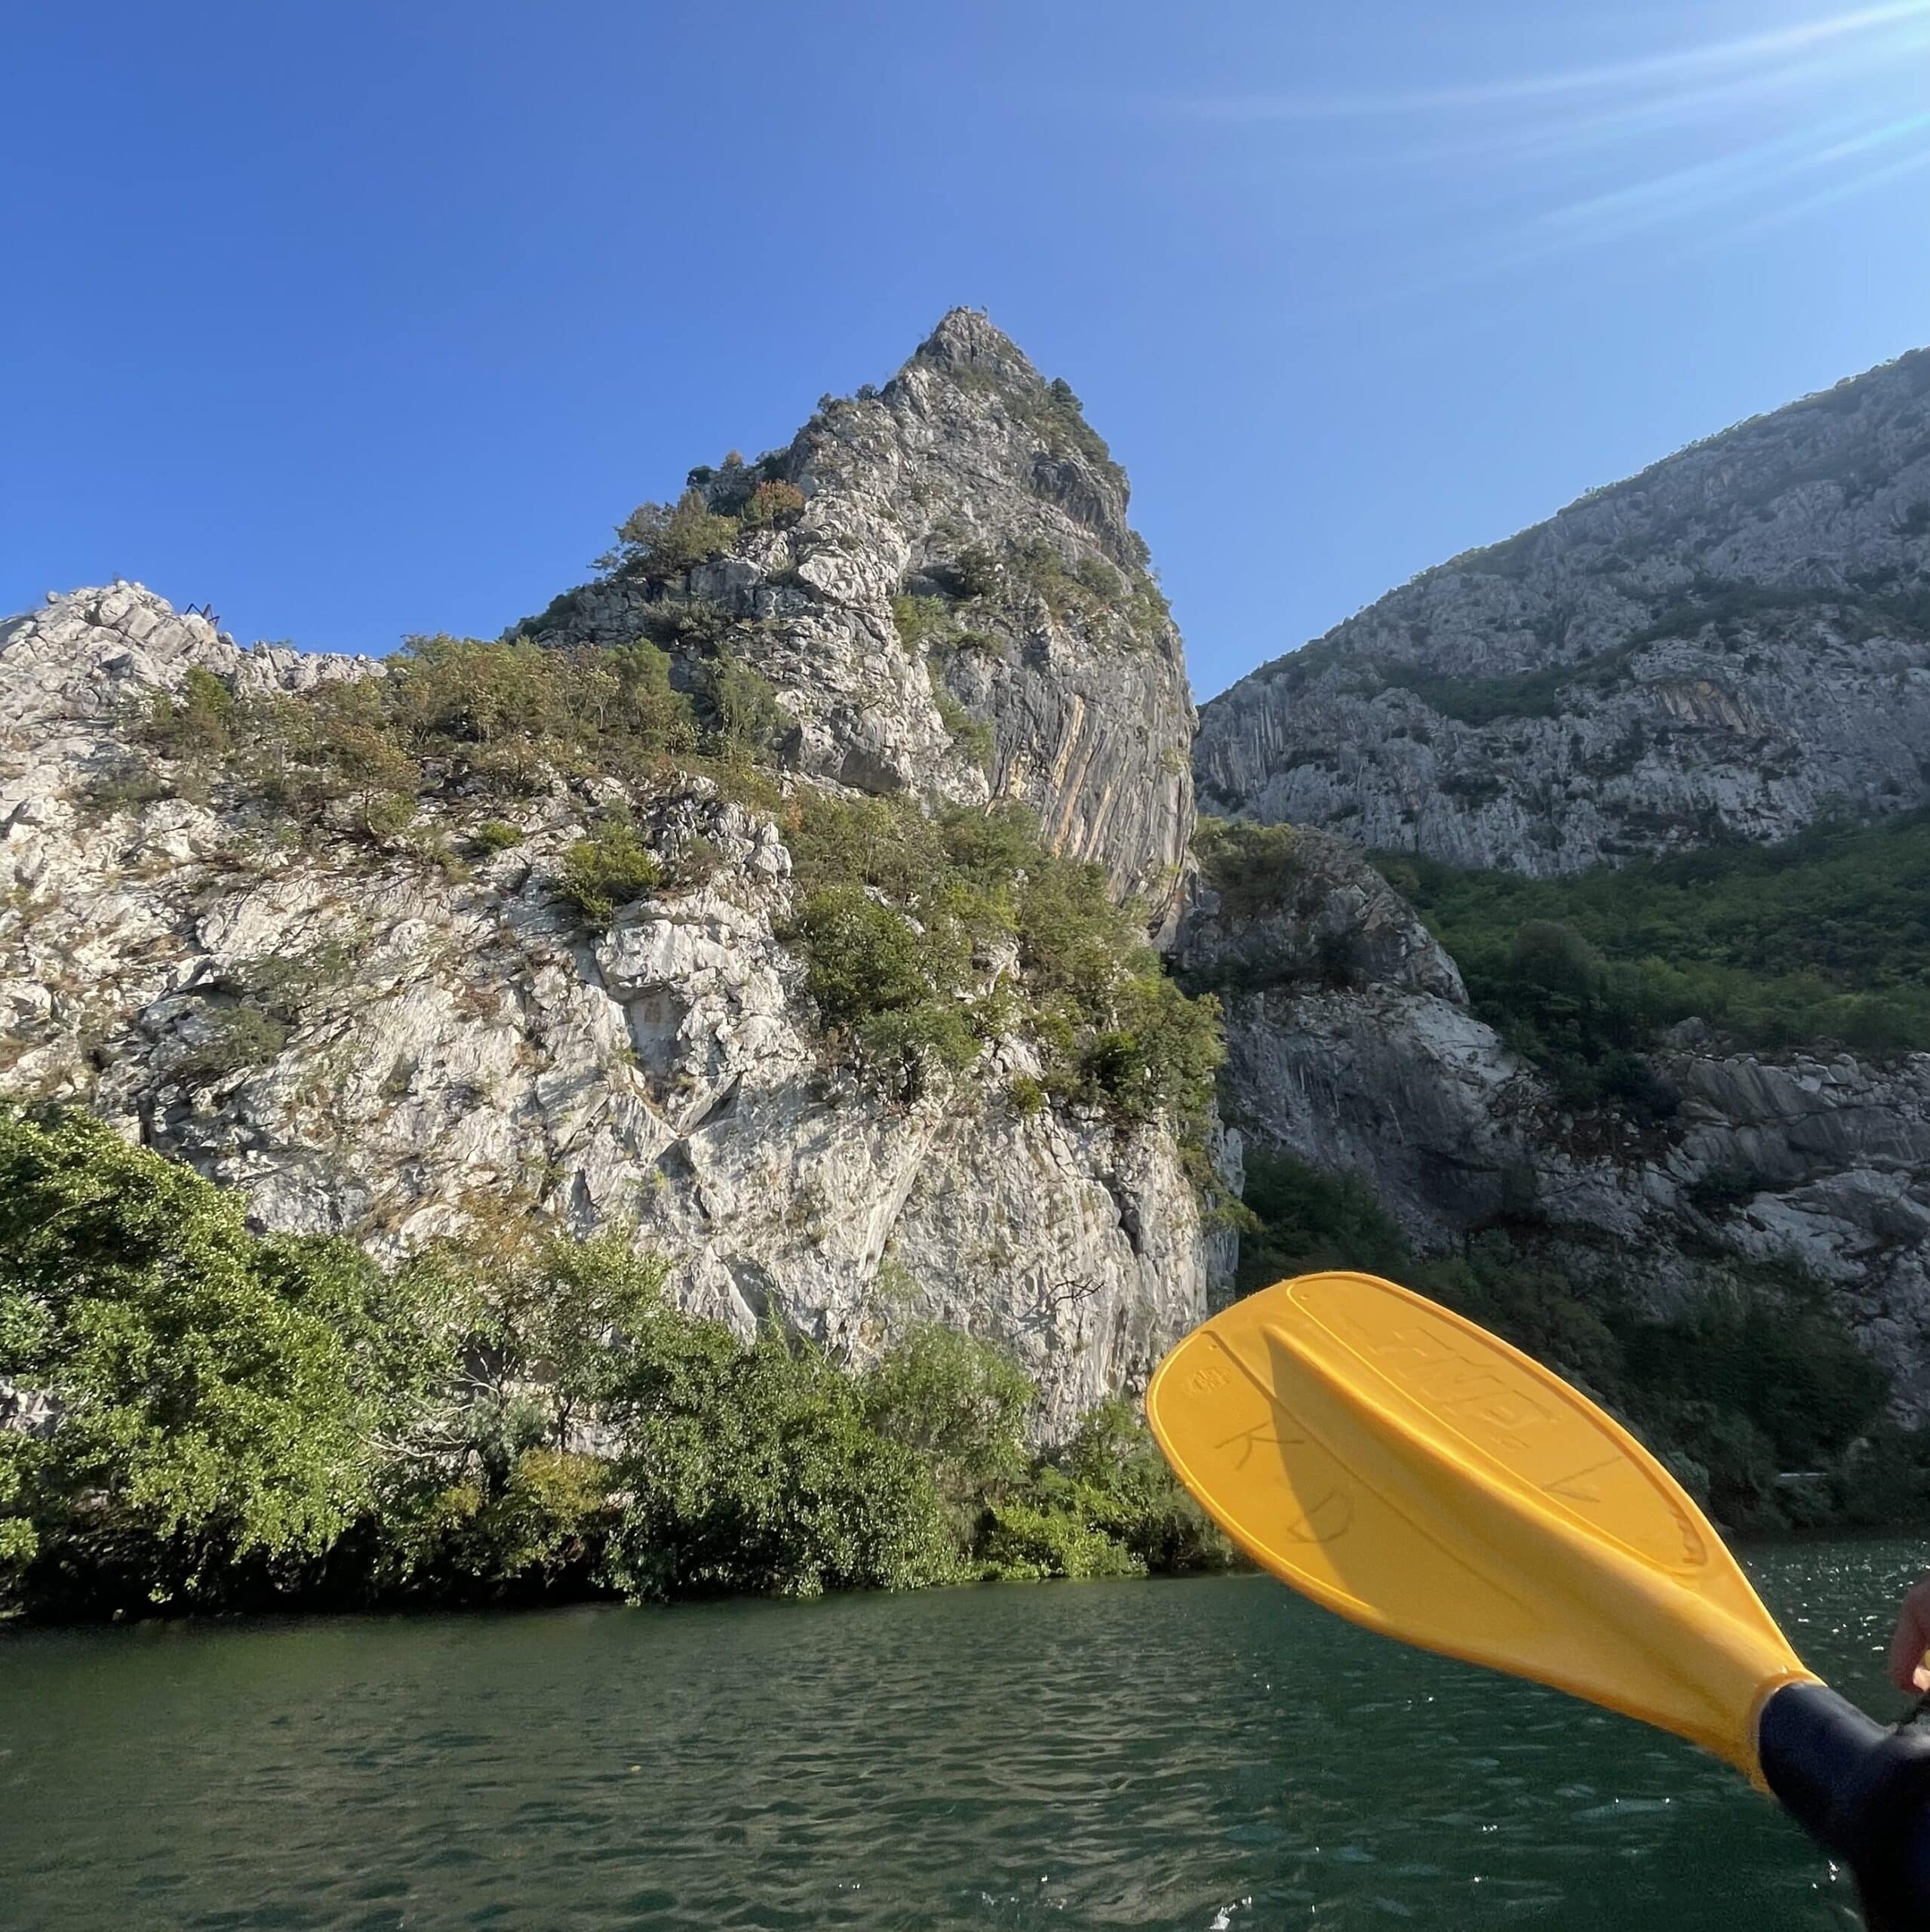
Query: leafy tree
(754, 1468)
(661, 541)
(211, 1399)
(959, 1406)
(773, 501)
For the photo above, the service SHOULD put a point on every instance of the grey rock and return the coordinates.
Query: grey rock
(1821, 1162)
(1729, 643)
(966, 456)
(455, 1049)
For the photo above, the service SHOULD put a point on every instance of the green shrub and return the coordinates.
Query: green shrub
(1028, 1096)
(773, 501)
(242, 1035)
(893, 990)
(972, 736)
(502, 719)
(661, 541)
(959, 1406)
(197, 722)
(387, 815)
(974, 573)
(901, 905)
(1130, 1494)
(497, 835)
(754, 1468)
(922, 623)
(541, 1534)
(1256, 868)
(745, 716)
(608, 870)
(1029, 1541)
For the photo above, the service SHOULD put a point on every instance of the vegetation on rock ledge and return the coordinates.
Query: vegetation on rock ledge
(1825, 938)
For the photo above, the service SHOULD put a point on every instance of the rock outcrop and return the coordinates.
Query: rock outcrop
(1351, 1045)
(1726, 645)
(961, 553)
(367, 1043)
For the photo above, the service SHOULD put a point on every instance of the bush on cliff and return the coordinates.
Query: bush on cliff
(660, 541)
(608, 870)
(913, 923)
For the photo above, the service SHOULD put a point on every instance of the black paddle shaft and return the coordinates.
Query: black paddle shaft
(1861, 1792)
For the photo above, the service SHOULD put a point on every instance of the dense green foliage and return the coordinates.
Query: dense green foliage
(912, 922)
(1824, 938)
(1255, 868)
(223, 1419)
(660, 541)
(608, 870)
(1759, 1378)
(488, 720)
(218, 1394)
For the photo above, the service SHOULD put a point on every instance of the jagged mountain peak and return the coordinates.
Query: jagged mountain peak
(84, 656)
(946, 598)
(969, 339)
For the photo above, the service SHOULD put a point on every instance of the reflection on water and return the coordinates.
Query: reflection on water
(1206, 1754)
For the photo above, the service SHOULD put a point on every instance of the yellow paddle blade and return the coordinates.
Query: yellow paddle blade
(1402, 1466)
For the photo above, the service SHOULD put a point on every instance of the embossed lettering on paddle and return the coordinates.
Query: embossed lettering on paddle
(1506, 1406)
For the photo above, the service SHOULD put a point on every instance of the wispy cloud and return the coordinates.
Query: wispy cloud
(1764, 126)
(1675, 69)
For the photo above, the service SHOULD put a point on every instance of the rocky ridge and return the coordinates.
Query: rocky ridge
(960, 552)
(1727, 645)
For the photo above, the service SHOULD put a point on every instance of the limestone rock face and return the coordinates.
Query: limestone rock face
(364, 1044)
(972, 487)
(1725, 645)
(1376, 1065)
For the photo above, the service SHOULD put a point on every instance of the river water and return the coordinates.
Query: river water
(1214, 1754)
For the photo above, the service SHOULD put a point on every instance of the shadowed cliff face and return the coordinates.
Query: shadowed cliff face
(1726, 645)
(1350, 1044)
(957, 608)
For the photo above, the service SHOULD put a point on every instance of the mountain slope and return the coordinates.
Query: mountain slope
(1728, 645)
(958, 559)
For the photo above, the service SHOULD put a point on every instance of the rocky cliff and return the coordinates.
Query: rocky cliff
(956, 607)
(1351, 1044)
(1725, 645)
(395, 1028)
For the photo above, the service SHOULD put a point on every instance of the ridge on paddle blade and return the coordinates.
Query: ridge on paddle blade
(1402, 1466)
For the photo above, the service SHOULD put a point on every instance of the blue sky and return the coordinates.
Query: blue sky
(358, 320)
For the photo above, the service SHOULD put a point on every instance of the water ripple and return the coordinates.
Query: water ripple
(1214, 1756)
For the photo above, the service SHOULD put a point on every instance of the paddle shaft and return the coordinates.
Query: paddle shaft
(1861, 1792)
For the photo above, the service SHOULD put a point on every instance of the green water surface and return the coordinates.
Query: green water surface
(1212, 1754)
